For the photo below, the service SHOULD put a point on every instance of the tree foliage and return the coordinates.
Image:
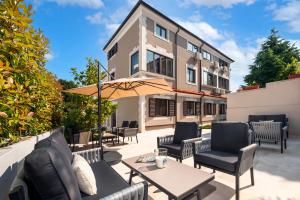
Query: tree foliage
(81, 111)
(30, 98)
(276, 59)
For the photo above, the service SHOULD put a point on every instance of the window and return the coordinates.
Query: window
(159, 64)
(161, 107)
(134, 68)
(112, 76)
(223, 63)
(222, 109)
(209, 108)
(191, 108)
(161, 31)
(206, 55)
(223, 83)
(112, 51)
(209, 79)
(191, 75)
(192, 48)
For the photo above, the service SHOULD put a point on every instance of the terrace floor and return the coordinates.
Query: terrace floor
(277, 176)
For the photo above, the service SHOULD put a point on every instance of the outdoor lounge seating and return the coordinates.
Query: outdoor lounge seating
(129, 132)
(179, 145)
(47, 174)
(228, 151)
(269, 128)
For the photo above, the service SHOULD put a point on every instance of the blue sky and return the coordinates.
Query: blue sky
(79, 28)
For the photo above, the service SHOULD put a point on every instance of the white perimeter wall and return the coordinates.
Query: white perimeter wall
(281, 97)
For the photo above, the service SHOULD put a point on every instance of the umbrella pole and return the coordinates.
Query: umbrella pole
(99, 111)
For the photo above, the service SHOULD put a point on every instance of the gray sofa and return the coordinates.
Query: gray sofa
(227, 151)
(47, 174)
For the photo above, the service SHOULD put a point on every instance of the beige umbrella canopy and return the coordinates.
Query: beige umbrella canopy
(125, 87)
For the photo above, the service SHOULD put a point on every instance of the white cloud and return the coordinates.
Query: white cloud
(211, 3)
(81, 3)
(49, 56)
(132, 2)
(95, 18)
(296, 42)
(111, 27)
(202, 29)
(290, 13)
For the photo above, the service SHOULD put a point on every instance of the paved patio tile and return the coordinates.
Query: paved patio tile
(277, 176)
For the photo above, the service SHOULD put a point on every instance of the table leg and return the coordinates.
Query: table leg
(198, 195)
(130, 177)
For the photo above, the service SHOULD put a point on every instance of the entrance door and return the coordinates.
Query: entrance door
(113, 120)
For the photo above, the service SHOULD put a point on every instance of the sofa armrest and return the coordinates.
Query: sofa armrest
(91, 155)
(246, 157)
(187, 147)
(168, 139)
(135, 192)
(201, 146)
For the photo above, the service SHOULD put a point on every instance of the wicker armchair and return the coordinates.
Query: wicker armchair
(270, 132)
(180, 145)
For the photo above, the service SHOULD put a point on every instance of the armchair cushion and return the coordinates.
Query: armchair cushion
(218, 159)
(184, 131)
(57, 140)
(108, 181)
(229, 137)
(50, 176)
(277, 118)
(133, 124)
(174, 149)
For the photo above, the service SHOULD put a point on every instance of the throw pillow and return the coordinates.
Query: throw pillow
(85, 176)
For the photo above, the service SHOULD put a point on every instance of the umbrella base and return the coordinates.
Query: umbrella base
(112, 157)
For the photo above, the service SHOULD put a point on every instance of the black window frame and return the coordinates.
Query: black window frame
(133, 71)
(154, 65)
(188, 70)
(194, 47)
(222, 109)
(159, 31)
(210, 109)
(211, 79)
(204, 55)
(112, 51)
(223, 83)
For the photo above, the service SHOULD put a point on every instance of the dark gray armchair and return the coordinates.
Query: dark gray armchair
(227, 151)
(179, 145)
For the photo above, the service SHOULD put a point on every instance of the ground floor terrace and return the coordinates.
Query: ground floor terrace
(276, 175)
(162, 111)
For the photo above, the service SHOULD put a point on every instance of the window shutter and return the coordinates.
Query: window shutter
(171, 104)
(214, 108)
(198, 108)
(184, 108)
(151, 107)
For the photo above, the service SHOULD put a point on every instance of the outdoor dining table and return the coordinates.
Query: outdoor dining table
(177, 180)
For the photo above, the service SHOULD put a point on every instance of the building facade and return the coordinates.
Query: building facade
(149, 44)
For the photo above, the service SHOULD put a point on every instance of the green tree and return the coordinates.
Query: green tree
(30, 98)
(81, 111)
(276, 59)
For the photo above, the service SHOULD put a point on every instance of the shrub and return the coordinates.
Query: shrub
(30, 97)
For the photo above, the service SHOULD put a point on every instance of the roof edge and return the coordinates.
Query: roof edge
(141, 2)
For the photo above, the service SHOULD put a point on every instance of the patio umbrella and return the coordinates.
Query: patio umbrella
(125, 87)
(122, 88)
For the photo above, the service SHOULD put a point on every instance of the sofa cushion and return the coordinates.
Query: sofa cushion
(173, 149)
(50, 175)
(229, 137)
(256, 118)
(217, 159)
(84, 175)
(184, 131)
(107, 179)
(57, 140)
